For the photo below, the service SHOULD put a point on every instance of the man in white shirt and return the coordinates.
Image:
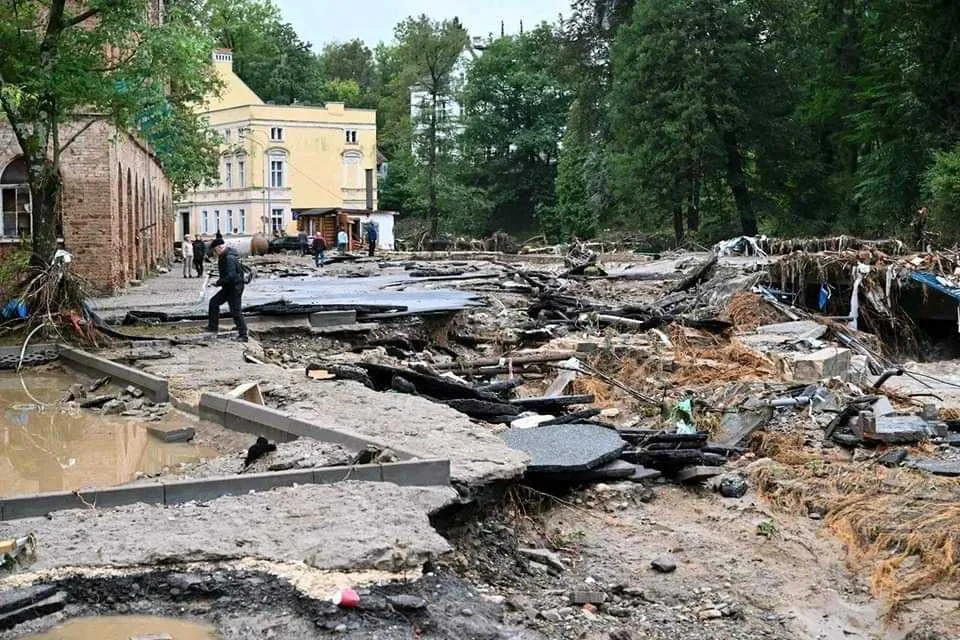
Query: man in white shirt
(186, 251)
(342, 240)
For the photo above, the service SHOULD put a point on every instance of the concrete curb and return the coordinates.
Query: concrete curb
(272, 424)
(155, 387)
(414, 473)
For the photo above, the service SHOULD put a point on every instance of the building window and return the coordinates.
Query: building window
(276, 220)
(15, 200)
(276, 134)
(243, 221)
(351, 136)
(276, 172)
(241, 173)
(204, 222)
(216, 218)
(228, 178)
(229, 220)
(226, 135)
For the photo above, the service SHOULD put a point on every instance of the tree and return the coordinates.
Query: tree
(105, 59)
(429, 52)
(515, 105)
(696, 92)
(348, 61)
(268, 54)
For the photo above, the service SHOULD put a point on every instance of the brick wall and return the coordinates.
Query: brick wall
(117, 212)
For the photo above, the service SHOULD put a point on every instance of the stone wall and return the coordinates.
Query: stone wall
(117, 204)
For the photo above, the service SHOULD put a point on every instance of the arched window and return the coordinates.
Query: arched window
(277, 166)
(15, 200)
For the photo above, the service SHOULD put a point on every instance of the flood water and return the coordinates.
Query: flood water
(49, 449)
(127, 627)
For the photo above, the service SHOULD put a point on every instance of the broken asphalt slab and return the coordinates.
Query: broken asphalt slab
(350, 525)
(566, 448)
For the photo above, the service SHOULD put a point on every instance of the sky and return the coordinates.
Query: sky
(322, 21)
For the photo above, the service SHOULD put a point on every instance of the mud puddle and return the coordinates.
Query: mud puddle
(52, 448)
(128, 628)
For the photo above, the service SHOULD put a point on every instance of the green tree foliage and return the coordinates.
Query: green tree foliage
(694, 97)
(515, 105)
(108, 61)
(267, 53)
(428, 53)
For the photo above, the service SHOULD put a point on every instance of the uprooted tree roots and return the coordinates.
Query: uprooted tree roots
(54, 298)
(882, 516)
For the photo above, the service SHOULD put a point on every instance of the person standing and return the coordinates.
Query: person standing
(342, 240)
(231, 290)
(302, 239)
(186, 252)
(371, 238)
(319, 249)
(199, 253)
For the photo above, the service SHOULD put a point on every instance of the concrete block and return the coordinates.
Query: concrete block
(177, 492)
(213, 407)
(698, 473)
(832, 362)
(353, 441)
(417, 473)
(360, 473)
(41, 504)
(172, 434)
(273, 323)
(323, 319)
(258, 420)
(154, 386)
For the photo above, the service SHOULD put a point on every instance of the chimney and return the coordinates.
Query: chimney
(223, 56)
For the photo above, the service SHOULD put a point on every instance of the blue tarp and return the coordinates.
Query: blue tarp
(934, 282)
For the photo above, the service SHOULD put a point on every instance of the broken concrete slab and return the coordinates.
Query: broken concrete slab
(950, 468)
(323, 319)
(830, 362)
(698, 473)
(896, 429)
(882, 407)
(643, 474)
(737, 427)
(543, 556)
(44, 607)
(172, 434)
(893, 458)
(348, 525)
(566, 448)
(798, 329)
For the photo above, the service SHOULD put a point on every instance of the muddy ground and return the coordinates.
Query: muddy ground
(744, 568)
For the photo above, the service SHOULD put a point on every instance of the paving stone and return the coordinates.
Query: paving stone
(566, 447)
(584, 596)
(664, 565)
(831, 362)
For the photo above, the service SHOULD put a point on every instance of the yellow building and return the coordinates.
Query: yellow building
(279, 161)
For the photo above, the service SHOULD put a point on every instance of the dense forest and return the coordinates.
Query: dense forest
(700, 119)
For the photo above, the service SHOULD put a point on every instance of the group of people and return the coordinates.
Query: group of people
(318, 246)
(194, 251)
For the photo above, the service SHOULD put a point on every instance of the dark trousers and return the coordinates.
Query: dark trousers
(198, 265)
(371, 247)
(232, 298)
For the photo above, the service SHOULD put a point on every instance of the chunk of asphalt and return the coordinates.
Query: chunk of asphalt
(404, 602)
(545, 557)
(566, 448)
(664, 565)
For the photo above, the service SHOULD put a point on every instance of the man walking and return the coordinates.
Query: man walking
(199, 253)
(302, 240)
(342, 240)
(319, 249)
(231, 290)
(186, 253)
(371, 238)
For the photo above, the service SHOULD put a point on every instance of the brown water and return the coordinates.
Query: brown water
(49, 449)
(126, 628)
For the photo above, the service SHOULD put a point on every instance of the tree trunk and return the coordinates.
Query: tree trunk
(693, 211)
(432, 172)
(45, 197)
(678, 224)
(738, 185)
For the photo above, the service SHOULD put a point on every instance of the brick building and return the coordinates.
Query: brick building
(116, 203)
(117, 215)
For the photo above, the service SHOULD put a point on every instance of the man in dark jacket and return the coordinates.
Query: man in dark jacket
(319, 249)
(231, 290)
(372, 238)
(199, 253)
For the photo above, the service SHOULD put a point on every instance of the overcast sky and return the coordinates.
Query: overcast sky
(321, 21)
